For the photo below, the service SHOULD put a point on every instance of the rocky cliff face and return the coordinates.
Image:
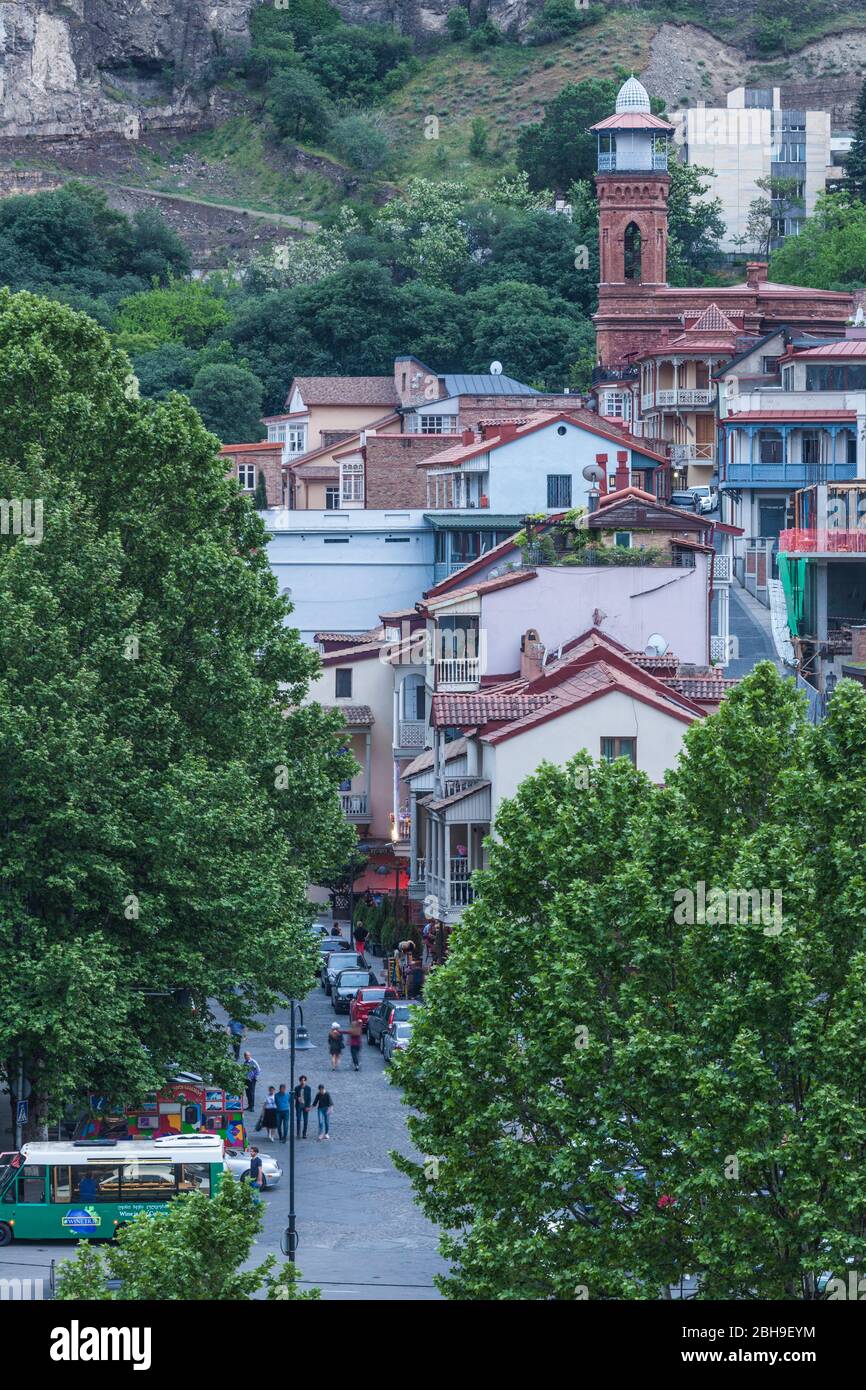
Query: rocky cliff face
(79, 67)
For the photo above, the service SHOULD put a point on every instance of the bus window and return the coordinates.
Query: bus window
(193, 1177)
(143, 1180)
(31, 1184)
(60, 1185)
(94, 1183)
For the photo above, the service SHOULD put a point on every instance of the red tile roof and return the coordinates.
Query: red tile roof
(353, 715)
(542, 419)
(481, 707)
(702, 688)
(348, 639)
(455, 749)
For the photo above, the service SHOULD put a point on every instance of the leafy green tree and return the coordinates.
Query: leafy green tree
(229, 401)
(457, 23)
(426, 230)
(830, 251)
(695, 224)
(558, 150)
(855, 164)
(478, 139)
(352, 62)
(161, 813)
(362, 141)
(684, 1094)
(186, 311)
(260, 501)
(534, 333)
(190, 1253)
(542, 250)
(161, 370)
(559, 18)
(272, 47)
(298, 104)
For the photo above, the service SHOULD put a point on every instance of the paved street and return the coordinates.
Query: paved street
(361, 1234)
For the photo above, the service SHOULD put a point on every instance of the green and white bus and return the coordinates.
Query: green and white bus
(86, 1189)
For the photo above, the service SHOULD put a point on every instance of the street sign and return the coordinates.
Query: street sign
(21, 1113)
(97, 1102)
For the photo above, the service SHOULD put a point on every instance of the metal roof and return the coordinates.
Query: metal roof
(479, 521)
(485, 384)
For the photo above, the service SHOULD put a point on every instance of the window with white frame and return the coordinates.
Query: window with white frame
(296, 438)
(276, 434)
(332, 499)
(352, 480)
(247, 476)
(617, 404)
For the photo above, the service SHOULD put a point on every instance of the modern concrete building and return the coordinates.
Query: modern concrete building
(756, 137)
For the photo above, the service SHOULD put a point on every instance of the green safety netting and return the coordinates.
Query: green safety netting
(792, 573)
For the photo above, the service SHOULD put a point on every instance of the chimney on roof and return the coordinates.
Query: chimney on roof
(601, 460)
(468, 435)
(531, 655)
(756, 274)
(507, 430)
(623, 477)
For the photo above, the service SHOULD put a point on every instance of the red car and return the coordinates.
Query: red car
(366, 1000)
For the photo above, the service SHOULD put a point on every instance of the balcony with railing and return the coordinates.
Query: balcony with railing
(632, 161)
(456, 891)
(690, 453)
(690, 397)
(402, 823)
(354, 806)
(458, 671)
(411, 733)
(830, 540)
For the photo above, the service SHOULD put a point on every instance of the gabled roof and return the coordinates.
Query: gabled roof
(455, 749)
(712, 320)
(633, 120)
(484, 384)
(345, 390)
(487, 586)
(539, 420)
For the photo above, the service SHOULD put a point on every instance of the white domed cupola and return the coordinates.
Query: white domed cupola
(632, 96)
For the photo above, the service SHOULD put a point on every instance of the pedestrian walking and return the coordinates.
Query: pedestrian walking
(257, 1171)
(303, 1101)
(360, 938)
(323, 1105)
(236, 1035)
(283, 1101)
(269, 1115)
(252, 1071)
(335, 1045)
(355, 1032)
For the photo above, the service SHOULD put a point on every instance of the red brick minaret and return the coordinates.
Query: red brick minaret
(633, 185)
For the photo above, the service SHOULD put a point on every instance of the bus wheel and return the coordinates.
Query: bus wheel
(5, 1233)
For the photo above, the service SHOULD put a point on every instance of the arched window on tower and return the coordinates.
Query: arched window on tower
(632, 252)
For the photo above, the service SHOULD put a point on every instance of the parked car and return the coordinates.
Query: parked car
(386, 1013)
(347, 984)
(338, 961)
(365, 1002)
(707, 498)
(237, 1162)
(396, 1040)
(685, 499)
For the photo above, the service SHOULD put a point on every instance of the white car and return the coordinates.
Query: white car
(706, 497)
(235, 1161)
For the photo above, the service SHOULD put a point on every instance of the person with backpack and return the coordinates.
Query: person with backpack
(335, 1045)
(323, 1105)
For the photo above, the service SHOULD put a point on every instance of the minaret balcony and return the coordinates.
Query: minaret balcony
(633, 161)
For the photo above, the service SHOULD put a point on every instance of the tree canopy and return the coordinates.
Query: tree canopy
(830, 251)
(614, 1088)
(162, 813)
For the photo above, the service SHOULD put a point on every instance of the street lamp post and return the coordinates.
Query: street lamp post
(301, 1041)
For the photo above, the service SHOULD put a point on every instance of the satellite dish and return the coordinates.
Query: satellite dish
(496, 369)
(656, 646)
(594, 473)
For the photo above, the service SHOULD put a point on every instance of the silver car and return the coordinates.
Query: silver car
(396, 1040)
